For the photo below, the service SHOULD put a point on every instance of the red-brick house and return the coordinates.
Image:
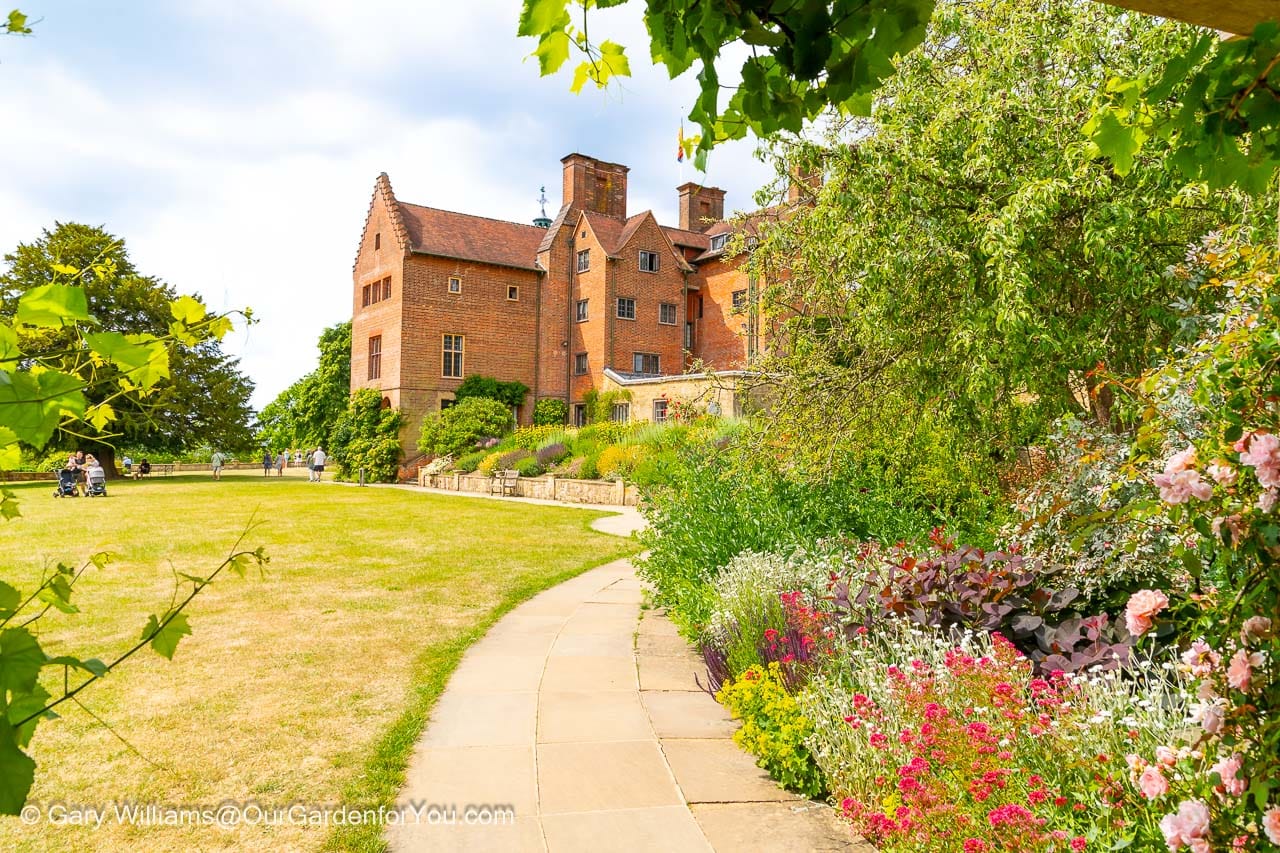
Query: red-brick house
(440, 295)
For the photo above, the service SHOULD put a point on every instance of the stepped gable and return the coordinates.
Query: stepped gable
(448, 234)
(382, 191)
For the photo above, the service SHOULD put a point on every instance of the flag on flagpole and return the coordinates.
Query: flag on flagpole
(680, 145)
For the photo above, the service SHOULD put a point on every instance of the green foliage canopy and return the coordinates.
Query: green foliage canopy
(511, 394)
(304, 413)
(970, 253)
(810, 56)
(550, 411)
(459, 427)
(197, 395)
(367, 436)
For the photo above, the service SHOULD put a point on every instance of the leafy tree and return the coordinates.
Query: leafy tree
(367, 436)
(459, 427)
(203, 400)
(303, 415)
(970, 252)
(806, 57)
(508, 393)
(84, 384)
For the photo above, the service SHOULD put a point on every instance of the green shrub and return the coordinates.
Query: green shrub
(457, 429)
(528, 467)
(470, 462)
(367, 436)
(475, 386)
(773, 729)
(588, 470)
(604, 432)
(550, 411)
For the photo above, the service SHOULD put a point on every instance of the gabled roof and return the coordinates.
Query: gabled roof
(614, 234)
(749, 225)
(448, 234)
(687, 239)
(550, 237)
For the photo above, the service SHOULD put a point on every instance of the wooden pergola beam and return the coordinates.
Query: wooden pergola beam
(1239, 16)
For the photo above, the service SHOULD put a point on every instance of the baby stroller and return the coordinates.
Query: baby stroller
(97, 482)
(66, 484)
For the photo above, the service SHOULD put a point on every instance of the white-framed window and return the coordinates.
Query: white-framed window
(513, 293)
(452, 367)
(621, 413)
(739, 300)
(659, 411)
(580, 364)
(582, 310)
(718, 241)
(584, 260)
(626, 308)
(667, 313)
(646, 362)
(648, 261)
(579, 414)
(455, 284)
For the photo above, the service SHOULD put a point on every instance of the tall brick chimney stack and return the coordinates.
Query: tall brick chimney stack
(700, 207)
(591, 184)
(804, 185)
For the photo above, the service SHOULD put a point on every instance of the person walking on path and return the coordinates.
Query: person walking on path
(267, 462)
(218, 461)
(281, 459)
(317, 464)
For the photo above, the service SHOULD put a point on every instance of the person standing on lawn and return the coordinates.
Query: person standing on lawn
(281, 459)
(317, 464)
(218, 461)
(267, 462)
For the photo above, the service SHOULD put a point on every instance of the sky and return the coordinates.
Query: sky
(234, 145)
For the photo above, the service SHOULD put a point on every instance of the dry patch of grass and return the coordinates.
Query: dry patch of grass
(308, 685)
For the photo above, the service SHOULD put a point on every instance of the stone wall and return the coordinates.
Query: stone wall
(599, 492)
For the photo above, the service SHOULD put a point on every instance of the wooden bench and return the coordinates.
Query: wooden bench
(504, 482)
(165, 468)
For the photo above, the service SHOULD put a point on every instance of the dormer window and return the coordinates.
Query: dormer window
(718, 241)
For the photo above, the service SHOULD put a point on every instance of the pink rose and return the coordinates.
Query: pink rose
(1209, 715)
(1240, 670)
(1267, 500)
(1201, 658)
(1181, 461)
(1227, 768)
(1222, 473)
(1255, 627)
(1188, 825)
(1176, 488)
(1262, 452)
(1152, 783)
(1142, 606)
(1232, 523)
(1166, 756)
(1271, 824)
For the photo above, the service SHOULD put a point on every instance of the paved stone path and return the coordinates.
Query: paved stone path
(582, 713)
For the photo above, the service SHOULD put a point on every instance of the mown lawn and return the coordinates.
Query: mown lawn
(310, 684)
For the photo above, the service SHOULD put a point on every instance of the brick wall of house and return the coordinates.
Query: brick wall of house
(589, 337)
(649, 289)
(554, 330)
(380, 255)
(720, 333)
(498, 332)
